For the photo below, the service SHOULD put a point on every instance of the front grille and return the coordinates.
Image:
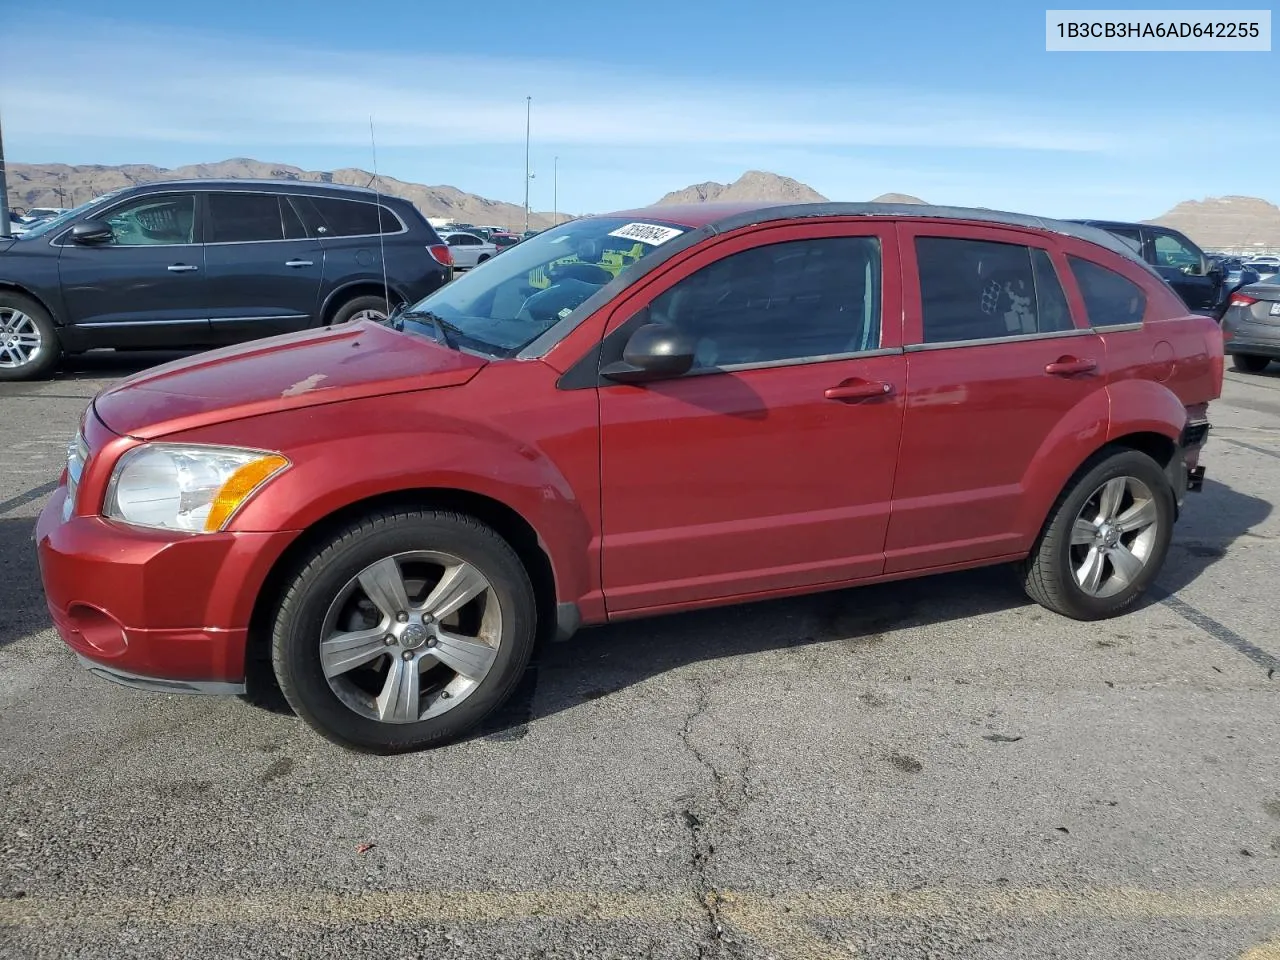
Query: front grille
(1194, 434)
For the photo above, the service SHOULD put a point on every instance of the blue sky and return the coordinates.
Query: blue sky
(956, 103)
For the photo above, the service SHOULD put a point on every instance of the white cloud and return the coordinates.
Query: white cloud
(184, 88)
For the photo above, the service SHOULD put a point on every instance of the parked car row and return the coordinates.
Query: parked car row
(200, 263)
(224, 261)
(633, 414)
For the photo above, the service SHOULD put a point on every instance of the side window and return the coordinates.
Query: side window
(1109, 299)
(155, 221)
(243, 218)
(1172, 252)
(353, 218)
(1130, 237)
(983, 290)
(1052, 312)
(796, 300)
(294, 229)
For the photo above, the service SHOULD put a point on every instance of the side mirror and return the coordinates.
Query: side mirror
(656, 351)
(92, 231)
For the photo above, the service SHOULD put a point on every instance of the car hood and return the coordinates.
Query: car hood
(280, 373)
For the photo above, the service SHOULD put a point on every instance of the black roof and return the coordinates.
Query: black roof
(1071, 228)
(236, 184)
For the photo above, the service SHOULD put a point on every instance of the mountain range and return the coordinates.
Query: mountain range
(1215, 223)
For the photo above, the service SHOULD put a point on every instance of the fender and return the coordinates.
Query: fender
(417, 448)
(1075, 438)
(1145, 406)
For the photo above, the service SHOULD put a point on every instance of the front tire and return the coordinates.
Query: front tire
(404, 631)
(1106, 538)
(29, 347)
(1248, 363)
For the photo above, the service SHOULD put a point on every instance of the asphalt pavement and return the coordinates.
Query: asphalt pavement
(928, 769)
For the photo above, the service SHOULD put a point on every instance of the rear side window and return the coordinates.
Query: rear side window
(351, 218)
(982, 290)
(243, 218)
(1109, 299)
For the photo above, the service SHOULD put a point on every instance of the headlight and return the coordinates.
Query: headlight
(181, 487)
(77, 456)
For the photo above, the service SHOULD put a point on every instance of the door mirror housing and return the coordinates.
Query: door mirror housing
(91, 232)
(656, 351)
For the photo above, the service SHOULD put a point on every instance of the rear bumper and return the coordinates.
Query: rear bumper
(164, 611)
(1252, 348)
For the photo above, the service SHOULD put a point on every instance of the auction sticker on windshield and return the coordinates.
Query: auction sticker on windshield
(649, 233)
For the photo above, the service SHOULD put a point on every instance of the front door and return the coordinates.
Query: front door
(996, 365)
(770, 465)
(1184, 269)
(264, 272)
(147, 287)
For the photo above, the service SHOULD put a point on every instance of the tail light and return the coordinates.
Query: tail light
(1242, 300)
(441, 254)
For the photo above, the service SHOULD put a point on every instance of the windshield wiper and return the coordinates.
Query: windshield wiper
(446, 330)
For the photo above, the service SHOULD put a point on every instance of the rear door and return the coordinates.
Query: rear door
(996, 363)
(769, 466)
(265, 272)
(145, 288)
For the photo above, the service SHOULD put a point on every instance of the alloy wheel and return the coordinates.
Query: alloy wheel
(20, 339)
(1114, 536)
(410, 637)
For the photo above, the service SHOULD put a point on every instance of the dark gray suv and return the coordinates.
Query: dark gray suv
(200, 263)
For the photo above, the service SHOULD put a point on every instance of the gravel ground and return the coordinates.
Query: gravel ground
(921, 770)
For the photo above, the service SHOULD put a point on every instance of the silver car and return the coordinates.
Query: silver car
(1251, 326)
(468, 249)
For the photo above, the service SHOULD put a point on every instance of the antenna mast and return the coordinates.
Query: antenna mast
(382, 243)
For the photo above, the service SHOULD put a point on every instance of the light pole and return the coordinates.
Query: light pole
(555, 191)
(4, 194)
(528, 114)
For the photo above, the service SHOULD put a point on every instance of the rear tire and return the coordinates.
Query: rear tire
(1106, 538)
(367, 307)
(1249, 363)
(385, 689)
(29, 346)
(481, 259)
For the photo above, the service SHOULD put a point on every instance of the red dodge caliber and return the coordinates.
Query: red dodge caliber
(631, 414)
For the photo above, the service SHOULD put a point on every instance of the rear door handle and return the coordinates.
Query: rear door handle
(298, 263)
(859, 390)
(1070, 366)
(182, 268)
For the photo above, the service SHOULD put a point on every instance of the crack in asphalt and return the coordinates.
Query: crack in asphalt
(704, 816)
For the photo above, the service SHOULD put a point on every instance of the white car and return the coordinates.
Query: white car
(468, 250)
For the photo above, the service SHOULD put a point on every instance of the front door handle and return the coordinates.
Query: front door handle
(852, 390)
(182, 268)
(1070, 367)
(298, 263)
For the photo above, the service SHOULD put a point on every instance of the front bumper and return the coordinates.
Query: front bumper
(155, 609)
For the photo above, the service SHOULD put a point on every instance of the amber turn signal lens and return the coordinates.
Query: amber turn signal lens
(238, 488)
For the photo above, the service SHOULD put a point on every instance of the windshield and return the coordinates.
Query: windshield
(509, 301)
(52, 226)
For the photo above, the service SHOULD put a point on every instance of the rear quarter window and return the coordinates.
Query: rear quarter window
(333, 217)
(1110, 300)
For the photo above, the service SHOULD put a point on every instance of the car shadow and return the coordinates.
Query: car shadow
(112, 364)
(604, 660)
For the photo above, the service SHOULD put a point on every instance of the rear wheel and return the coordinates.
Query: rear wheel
(361, 308)
(1248, 363)
(29, 345)
(1106, 538)
(404, 631)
